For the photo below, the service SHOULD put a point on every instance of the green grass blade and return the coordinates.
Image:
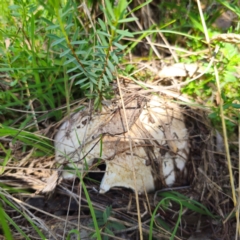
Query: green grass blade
(188, 203)
(162, 202)
(4, 224)
(95, 223)
(24, 215)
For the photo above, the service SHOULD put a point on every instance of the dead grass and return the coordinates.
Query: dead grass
(57, 212)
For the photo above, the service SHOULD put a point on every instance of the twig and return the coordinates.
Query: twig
(133, 166)
(31, 106)
(226, 143)
(148, 39)
(204, 25)
(238, 205)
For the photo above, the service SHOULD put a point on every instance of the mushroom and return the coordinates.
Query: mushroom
(152, 145)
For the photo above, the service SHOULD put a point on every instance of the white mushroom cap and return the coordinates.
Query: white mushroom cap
(159, 125)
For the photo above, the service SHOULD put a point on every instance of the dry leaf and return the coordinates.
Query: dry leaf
(179, 70)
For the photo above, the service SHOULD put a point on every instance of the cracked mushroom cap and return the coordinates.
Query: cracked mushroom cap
(151, 155)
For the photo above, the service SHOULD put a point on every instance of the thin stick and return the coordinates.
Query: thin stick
(203, 24)
(133, 166)
(226, 143)
(31, 106)
(238, 208)
(147, 38)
